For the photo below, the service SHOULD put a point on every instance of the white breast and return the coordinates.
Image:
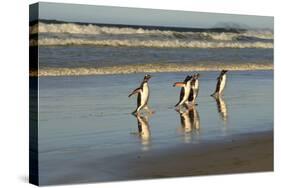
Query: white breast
(196, 85)
(223, 83)
(145, 93)
(186, 92)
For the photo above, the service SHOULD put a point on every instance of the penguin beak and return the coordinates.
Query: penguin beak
(146, 77)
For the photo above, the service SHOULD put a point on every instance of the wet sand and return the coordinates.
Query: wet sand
(238, 154)
(84, 138)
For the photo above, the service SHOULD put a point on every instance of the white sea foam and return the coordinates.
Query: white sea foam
(77, 34)
(149, 68)
(72, 28)
(90, 29)
(152, 43)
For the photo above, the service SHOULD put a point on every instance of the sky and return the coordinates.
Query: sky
(140, 16)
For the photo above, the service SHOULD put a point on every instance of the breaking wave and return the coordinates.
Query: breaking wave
(147, 68)
(72, 28)
(89, 34)
(152, 43)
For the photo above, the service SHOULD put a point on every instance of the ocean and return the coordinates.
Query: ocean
(87, 49)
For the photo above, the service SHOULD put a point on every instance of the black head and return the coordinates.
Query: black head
(146, 77)
(224, 71)
(196, 76)
(187, 78)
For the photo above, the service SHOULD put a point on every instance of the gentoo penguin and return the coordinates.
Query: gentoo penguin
(143, 94)
(185, 90)
(220, 84)
(194, 89)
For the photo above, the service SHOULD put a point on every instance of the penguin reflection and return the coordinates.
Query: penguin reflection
(190, 120)
(143, 130)
(222, 108)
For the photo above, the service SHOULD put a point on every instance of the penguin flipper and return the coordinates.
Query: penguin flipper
(135, 92)
(179, 84)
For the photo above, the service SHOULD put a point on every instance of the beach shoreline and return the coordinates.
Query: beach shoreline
(146, 68)
(239, 153)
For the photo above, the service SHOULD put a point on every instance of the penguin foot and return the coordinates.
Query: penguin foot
(214, 95)
(135, 113)
(177, 110)
(151, 112)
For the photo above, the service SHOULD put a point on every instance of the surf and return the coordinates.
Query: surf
(146, 68)
(63, 34)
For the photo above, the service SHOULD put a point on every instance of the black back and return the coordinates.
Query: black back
(139, 99)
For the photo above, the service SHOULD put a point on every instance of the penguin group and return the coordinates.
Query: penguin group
(188, 93)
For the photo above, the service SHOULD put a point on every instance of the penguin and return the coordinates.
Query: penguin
(220, 84)
(194, 89)
(185, 90)
(143, 95)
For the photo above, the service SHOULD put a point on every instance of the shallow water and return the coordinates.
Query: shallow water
(107, 56)
(88, 118)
